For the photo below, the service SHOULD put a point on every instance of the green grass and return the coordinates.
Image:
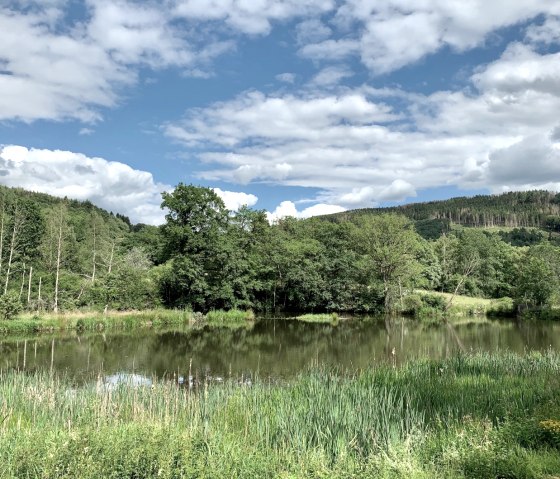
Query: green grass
(462, 306)
(234, 318)
(127, 320)
(330, 318)
(479, 416)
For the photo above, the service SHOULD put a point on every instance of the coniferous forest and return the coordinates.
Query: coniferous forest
(62, 255)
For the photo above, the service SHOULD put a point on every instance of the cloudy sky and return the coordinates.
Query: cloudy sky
(299, 107)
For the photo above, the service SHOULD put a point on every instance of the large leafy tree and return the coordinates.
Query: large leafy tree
(390, 245)
(196, 223)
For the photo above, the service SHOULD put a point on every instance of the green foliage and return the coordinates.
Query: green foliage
(391, 246)
(538, 277)
(10, 306)
(206, 258)
(513, 209)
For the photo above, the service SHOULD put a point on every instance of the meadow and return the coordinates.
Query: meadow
(471, 416)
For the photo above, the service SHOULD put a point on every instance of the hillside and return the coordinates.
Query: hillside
(529, 209)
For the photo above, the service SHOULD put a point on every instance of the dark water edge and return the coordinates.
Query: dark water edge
(272, 348)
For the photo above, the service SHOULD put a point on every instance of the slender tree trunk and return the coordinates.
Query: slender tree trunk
(29, 285)
(39, 300)
(2, 236)
(111, 258)
(94, 252)
(58, 256)
(22, 282)
(12, 249)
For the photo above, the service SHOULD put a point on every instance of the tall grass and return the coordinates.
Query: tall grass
(127, 320)
(232, 318)
(327, 318)
(469, 416)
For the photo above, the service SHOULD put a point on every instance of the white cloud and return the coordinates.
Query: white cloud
(390, 34)
(286, 77)
(398, 190)
(235, 200)
(288, 208)
(312, 30)
(358, 152)
(521, 69)
(252, 17)
(331, 76)
(53, 70)
(535, 160)
(111, 185)
(547, 33)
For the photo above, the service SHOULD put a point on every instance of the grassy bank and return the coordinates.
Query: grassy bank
(94, 321)
(97, 321)
(327, 318)
(469, 417)
(434, 304)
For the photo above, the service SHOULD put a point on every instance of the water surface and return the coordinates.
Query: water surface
(271, 349)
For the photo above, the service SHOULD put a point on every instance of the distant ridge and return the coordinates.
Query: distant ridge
(524, 209)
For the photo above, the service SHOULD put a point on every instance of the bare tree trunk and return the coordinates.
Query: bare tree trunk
(39, 300)
(111, 258)
(13, 244)
(58, 256)
(2, 236)
(22, 282)
(29, 285)
(469, 269)
(94, 251)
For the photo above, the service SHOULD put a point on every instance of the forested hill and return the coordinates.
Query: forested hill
(539, 209)
(43, 202)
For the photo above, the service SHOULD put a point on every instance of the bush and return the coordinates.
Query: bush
(10, 306)
(412, 303)
(434, 301)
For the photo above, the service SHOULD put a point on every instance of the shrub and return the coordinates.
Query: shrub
(434, 301)
(412, 304)
(10, 306)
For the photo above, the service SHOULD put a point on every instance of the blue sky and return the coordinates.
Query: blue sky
(299, 107)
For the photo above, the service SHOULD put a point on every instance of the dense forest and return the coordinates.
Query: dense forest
(60, 254)
(526, 209)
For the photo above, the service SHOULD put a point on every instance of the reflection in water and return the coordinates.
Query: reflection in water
(272, 349)
(126, 379)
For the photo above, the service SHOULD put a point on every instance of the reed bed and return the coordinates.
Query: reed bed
(473, 416)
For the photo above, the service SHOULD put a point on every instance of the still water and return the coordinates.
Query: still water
(271, 349)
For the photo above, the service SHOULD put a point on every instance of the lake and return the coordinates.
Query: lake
(273, 348)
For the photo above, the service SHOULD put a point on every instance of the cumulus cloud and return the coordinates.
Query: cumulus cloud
(330, 76)
(547, 33)
(286, 77)
(395, 33)
(235, 200)
(54, 70)
(288, 208)
(358, 151)
(109, 184)
(250, 17)
(535, 160)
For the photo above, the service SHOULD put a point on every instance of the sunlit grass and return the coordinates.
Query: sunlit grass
(329, 318)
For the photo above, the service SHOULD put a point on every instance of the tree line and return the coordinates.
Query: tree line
(61, 255)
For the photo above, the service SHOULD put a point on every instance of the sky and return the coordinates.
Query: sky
(297, 107)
